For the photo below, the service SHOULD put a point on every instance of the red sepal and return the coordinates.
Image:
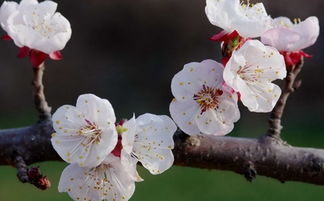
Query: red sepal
(23, 52)
(293, 58)
(219, 37)
(225, 60)
(56, 55)
(117, 150)
(37, 57)
(6, 37)
(223, 36)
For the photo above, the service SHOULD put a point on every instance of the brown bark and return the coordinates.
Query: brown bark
(265, 156)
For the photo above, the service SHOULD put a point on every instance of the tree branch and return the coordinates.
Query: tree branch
(265, 156)
(290, 85)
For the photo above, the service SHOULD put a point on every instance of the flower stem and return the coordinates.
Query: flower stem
(41, 105)
(290, 85)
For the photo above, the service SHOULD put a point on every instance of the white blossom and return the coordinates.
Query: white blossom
(250, 71)
(107, 182)
(247, 20)
(149, 139)
(35, 25)
(85, 134)
(288, 36)
(202, 104)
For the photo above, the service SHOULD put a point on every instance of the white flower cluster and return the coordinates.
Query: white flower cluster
(206, 93)
(103, 154)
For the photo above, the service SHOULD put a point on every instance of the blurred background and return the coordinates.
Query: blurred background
(128, 51)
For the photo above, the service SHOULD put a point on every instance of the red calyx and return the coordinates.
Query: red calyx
(293, 58)
(6, 37)
(223, 36)
(117, 150)
(225, 60)
(37, 57)
(231, 41)
(120, 123)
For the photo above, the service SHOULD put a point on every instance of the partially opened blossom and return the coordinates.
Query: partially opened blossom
(248, 20)
(85, 133)
(287, 36)
(108, 181)
(149, 139)
(202, 104)
(291, 38)
(250, 71)
(36, 28)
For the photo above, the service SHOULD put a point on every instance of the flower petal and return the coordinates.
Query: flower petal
(129, 163)
(190, 80)
(286, 36)
(248, 21)
(183, 113)
(6, 9)
(263, 96)
(252, 22)
(97, 110)
(107, 181)
(128, 136)
(154, 141)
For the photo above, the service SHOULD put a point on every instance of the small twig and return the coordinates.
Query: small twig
(290, 85)
(21, 169)
(39, 97)
(31, 175)
(250, 173)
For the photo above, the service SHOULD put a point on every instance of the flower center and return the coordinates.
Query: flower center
(247, 74)
(100, 178)
(91, 132)
(41, 23)
(207, 98)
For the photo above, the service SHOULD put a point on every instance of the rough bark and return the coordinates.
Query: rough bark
(250, 157)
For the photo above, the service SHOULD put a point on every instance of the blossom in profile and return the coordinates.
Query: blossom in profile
(251, 70)
(85, 133)
(248, 20)
(291, 38)
(202, 103)
(36, 28)
(108, 181)
(149, 140)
